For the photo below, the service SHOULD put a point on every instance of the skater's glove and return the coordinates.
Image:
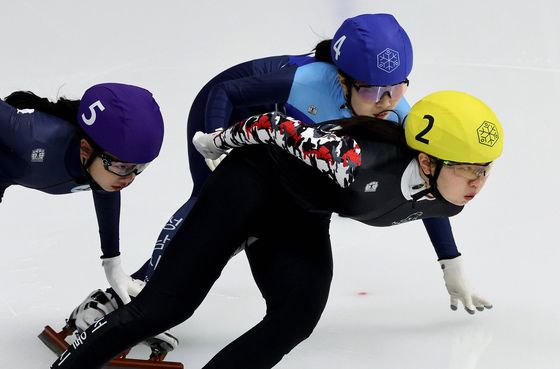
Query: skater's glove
(206, 145)
(458, 287)
(212, 164)
(124, 285)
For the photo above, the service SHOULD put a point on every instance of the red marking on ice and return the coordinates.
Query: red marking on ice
(362, 293)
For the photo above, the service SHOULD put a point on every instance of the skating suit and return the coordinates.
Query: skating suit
(42, 152)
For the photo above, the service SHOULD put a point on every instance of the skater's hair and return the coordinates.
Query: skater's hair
(323, 51)
(323, 54)
(62, 108)
(375, 129)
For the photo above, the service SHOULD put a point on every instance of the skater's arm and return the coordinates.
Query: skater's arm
(256, 90)
(451, 263)
(441, 235)
(337, 156)
(108, 209)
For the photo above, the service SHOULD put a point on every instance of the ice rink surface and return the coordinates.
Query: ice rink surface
(388, 306)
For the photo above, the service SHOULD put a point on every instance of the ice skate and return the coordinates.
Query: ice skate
(96, 305)
(161, 345)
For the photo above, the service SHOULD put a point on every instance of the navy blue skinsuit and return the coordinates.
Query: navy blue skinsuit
(283, 193)
(42, 152)
(297, 85)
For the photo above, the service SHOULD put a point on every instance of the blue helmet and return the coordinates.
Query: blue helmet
(122, 120)
(373, 49)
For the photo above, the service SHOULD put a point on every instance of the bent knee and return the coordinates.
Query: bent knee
(295, 323)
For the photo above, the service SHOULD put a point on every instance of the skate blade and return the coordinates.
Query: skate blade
(53, 340)
(126, 363)
(56, 342)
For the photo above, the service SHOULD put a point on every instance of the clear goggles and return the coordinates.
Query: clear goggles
(375, 93)
(469, 171)
(120, 168)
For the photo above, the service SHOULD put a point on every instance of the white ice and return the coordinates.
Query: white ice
(505, 52)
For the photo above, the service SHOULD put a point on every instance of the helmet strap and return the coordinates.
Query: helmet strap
(348, 82)
(432, 182)
(87, 163)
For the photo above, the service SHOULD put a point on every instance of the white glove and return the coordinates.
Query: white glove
(123, 284)
(212, 164)
(459, 288)
(205, 145)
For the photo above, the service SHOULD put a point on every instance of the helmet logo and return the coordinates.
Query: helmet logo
(89, 121)
(388, 60)
(488, 134)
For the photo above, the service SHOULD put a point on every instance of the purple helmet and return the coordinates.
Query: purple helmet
(373, 48)
(122, 120)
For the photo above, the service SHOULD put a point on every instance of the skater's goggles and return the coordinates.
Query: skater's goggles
(374, 93)
(469, 171)
(120, 168)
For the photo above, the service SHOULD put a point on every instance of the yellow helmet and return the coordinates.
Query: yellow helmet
(454, 126)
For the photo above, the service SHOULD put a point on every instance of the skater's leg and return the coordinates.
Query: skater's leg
(164, 238)
(294, 277)
(141, 273)
(199, 172)
(187, 270)
(198, 169)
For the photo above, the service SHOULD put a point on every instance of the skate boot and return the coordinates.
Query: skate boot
(95, 306)
(161, 345)
(100, 303)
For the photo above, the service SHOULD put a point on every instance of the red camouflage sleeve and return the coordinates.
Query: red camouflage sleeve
(337, 156)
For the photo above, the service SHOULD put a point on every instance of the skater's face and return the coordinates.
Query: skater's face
(374, 101)
(101, 173)
(457, 183)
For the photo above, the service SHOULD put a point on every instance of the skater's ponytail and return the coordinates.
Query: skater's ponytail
(323, 51)
(379, 130)
(63, 108)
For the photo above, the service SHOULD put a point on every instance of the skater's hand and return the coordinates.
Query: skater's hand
(124, 285)
(206, 146)
(458, 287)
(212, 164)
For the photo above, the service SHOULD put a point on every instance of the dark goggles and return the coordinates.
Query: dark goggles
(120, 168)
(374, 93)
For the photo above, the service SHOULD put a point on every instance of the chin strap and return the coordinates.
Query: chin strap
(348, 97)
(432, 182)
(86, 164)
